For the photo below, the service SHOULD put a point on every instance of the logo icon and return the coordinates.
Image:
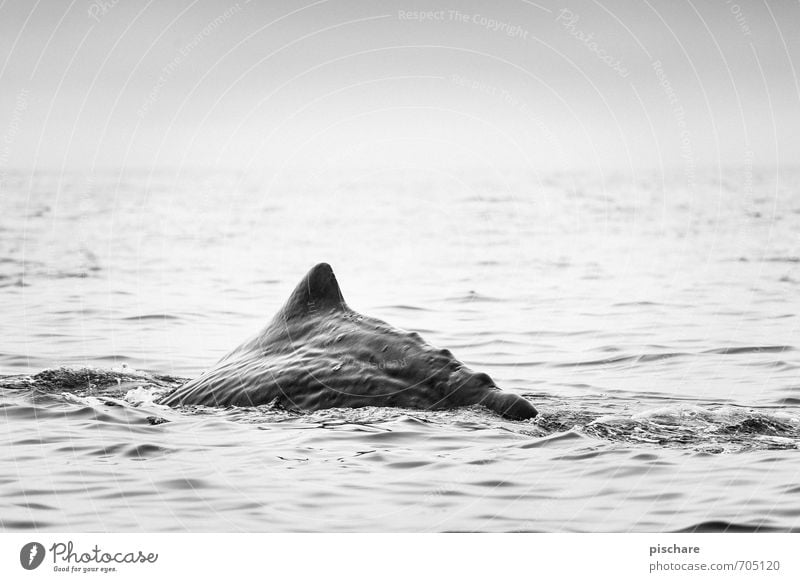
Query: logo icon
(31, 555)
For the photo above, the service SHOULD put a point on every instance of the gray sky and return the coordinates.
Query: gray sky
(547, 85)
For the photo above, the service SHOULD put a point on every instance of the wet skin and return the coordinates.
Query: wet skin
(318, 353)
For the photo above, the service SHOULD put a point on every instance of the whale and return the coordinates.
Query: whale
(317, 353)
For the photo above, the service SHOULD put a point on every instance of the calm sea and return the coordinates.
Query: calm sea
(652, 320)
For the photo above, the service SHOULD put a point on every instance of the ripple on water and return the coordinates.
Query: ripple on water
(142, 451)
(184, 483)
(566, 439)
(408, 464)
(445, 462)
(732, 527)
(23, 525)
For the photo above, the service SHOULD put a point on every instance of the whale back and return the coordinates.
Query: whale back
(318, 353)
(316, 295)
(317, 291)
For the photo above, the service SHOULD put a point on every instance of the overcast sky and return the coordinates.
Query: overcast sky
(549, 85)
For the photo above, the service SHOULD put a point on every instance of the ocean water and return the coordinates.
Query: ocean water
(652, 320)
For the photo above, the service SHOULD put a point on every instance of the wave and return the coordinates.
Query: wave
(151, 316)
(788, 259)
(658, 356)
(406, 307)
(708, 429)
(750, 350)
(732, 527)
(635, 359)
(475, 297)
(108, 395)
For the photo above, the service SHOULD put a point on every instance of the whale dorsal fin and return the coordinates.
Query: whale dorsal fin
(317, 291)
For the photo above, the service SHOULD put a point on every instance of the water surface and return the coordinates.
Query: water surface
(652, 324)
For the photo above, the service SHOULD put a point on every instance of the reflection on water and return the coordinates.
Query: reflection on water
(654, 329)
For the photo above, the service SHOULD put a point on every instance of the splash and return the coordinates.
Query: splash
(709, 428)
